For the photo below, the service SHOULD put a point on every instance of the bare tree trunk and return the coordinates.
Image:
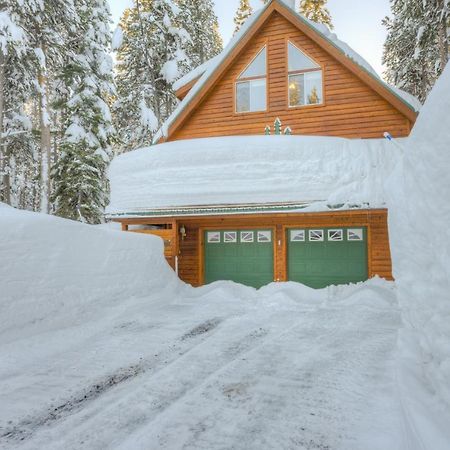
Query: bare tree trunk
(443, 36)
(4, 154)
(46, 144)
(443, 44)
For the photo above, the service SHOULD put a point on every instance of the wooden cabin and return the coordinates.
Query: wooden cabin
(232, 203)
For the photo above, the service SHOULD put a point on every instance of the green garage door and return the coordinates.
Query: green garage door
(321, 257)
(243, 256)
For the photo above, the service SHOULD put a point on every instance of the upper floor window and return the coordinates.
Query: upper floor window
(305, 79)
(251, 86)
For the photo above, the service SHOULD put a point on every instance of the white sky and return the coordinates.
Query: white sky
(357, 22)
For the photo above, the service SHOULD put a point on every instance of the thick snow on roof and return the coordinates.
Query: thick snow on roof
(250, 170)
(207, 69)
(193, 74)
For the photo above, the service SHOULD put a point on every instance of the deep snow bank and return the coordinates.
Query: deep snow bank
(50, 264)
(251, 169)
(420, 238)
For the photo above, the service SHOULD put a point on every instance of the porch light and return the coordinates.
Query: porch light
(183, 232)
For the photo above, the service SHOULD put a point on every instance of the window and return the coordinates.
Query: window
(297, 235)
(316, 236)
(335, 235)
(213, 237)
(356, 234)
(230, 237)
(251, 87)
(247, 236)
(264, 236)
(304, 79)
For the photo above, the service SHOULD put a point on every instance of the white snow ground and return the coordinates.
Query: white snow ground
(101, 347)
(151, 363)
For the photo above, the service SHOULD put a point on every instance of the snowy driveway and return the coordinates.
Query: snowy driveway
(221, 367)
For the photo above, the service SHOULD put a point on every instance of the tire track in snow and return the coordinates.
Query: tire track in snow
(328, 396)
(25, 429)
(155, 392)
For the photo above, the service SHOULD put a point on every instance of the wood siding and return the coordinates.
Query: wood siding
(351, 108)
(190, 254)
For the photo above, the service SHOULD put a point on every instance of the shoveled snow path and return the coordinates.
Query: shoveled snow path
(216, 371)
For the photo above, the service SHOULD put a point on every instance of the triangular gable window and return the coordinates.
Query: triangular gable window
(298, 60)
(251, 85)
(258, 67)
(305, 85)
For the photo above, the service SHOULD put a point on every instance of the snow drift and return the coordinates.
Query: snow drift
(419, 211)
(49, 265)
(251, 169)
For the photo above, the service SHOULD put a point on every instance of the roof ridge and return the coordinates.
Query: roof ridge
(408, 100)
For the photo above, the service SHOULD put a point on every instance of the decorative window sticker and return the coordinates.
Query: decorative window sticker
(335, 235)
(316, 235)
(213, 237)
(264, 236)
(247, 236)
(298, 235)
(355, 234)
(230, 236)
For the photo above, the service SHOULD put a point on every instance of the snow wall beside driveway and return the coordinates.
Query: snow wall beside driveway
(419, 220)
(50, 265)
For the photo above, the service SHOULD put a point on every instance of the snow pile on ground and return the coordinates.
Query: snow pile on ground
(100, 347)
(251, 169)
(420, 240)
(50, 266)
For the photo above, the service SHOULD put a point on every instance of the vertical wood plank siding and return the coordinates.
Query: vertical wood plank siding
(352, 109)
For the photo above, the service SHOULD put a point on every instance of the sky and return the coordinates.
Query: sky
(356, 22)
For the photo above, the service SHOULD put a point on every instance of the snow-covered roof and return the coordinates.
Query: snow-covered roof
(206, 70)
(193, 74)
(251, 171)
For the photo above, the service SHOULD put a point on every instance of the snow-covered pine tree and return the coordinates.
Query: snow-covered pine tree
(79, 176)
(149, 58)
(416, 48)
(42, 26)
(317, 11)
(242, 14)
(198, 18)
(12, 48)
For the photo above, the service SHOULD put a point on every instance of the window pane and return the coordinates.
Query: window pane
(298, 60)
(257, 67)
(258, 95)
(243, 97)
(313, 88)
(296, 91)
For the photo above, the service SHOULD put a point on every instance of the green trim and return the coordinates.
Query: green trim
(200, 211)
(232, 210)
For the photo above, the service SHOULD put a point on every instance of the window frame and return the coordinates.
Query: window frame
(239, 80)
(291, 73)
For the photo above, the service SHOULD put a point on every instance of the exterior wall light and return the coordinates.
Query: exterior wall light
(183, 232)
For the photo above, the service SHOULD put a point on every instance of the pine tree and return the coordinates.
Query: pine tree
(316, 11)
(149, 61)
(199, 20)
(416, 48)
(243, 12)
(26, 145)
(79, 176)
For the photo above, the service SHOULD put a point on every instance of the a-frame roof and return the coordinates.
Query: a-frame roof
(206, 78)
